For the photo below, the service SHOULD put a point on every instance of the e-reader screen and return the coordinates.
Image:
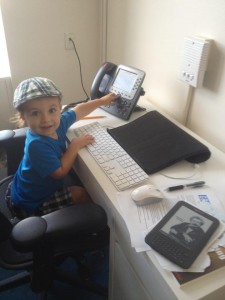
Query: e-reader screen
(182, 233)
(187, 227)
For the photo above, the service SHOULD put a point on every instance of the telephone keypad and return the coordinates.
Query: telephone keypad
(125, 82)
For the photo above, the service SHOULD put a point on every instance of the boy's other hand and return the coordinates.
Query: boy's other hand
(82, 141)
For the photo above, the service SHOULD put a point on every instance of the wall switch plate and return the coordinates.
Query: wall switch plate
(194, 60)
(68, 43)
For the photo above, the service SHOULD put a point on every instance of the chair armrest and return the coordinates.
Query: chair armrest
(75, 220)
(6, 135)
(28, 233)
(69, 222)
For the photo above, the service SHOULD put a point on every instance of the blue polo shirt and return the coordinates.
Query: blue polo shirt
(32, 184)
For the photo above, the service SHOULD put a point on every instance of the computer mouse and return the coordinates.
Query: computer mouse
(146, 194)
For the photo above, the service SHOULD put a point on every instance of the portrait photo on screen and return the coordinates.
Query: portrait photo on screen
(187, 227)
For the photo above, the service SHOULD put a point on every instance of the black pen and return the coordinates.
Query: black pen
(189, 185)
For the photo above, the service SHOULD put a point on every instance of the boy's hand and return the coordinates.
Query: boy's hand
(82, 141)
(67, 159)
(108, 99)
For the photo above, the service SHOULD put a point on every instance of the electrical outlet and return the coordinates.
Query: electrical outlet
(68, 43)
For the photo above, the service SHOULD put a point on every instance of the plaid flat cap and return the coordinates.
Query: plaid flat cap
(33, 88)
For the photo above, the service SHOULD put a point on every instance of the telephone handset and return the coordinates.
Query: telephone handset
(122, 80)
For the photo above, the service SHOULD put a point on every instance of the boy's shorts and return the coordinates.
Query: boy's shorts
(60, 199)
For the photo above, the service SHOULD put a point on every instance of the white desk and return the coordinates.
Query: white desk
(138, 275)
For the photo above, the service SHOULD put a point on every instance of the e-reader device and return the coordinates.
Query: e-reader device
(182, 233)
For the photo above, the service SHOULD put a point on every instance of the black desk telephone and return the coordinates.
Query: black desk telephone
(122, 80)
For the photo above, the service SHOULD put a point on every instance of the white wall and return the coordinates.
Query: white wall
(6, 109)
(35, 39)
(149, 34)
(4, 60)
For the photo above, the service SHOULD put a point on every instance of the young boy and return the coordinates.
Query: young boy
(38, 185)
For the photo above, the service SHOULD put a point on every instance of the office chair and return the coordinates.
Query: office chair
(37, 245)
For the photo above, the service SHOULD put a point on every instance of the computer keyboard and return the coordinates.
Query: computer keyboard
(117, 164)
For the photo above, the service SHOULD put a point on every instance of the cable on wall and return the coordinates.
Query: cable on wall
(81, 77)
(189, 103)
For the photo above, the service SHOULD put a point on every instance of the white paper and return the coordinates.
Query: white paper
(204, 198)
(201, 262)
(199, 265)
(140, 219)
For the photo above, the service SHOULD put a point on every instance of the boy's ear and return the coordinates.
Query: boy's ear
(21, 114)
(22, 117)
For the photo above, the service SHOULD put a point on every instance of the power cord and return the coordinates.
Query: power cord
(189, 102)
(67, 107)
(81, 78)
(190, 175)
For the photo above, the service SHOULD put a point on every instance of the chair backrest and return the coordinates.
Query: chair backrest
(14, 147)
(6, 218)
(6, 226)
(12, 142)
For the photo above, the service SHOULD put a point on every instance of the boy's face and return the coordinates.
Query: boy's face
(42, 115)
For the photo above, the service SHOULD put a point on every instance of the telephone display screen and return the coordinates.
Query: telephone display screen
(125, 80)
